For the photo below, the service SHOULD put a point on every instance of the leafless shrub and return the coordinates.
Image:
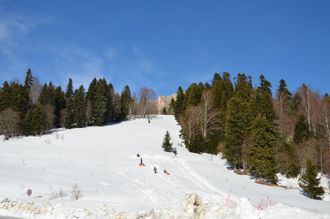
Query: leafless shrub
(76, 193)
(58, 194)
(9, 123)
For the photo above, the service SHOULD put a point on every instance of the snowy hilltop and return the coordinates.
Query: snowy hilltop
(95, 172)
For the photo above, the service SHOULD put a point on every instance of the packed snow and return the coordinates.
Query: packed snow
(100, 168)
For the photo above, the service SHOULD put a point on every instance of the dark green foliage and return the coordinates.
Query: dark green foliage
(5, 96)
(28, 79)
(243, 87)
(100, 104)
(79, 107)
(164, 111)
(59, 97)
(69, 118)
(193, 95)
(179, 103)
(236, 127)
(167, 145)
(310, 183)
(287, 160)
(34, 121)
(261, 152)
(47, 95)
(69, 89)
(264, 101)
(222, 90)
(301, 131)
(125, 103)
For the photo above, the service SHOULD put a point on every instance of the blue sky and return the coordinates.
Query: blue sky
(165, 44)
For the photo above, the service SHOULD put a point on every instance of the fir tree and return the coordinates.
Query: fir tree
(310, 183)
(91, 100)
(193, 95)
(28, 79)
(69, 89)
(264, 101)
(179, 103)
(5, 94)
(69, 118)
(235, 131)
(100, 104)
(34, 121)
(262, 150)
(125, 103)
(59, 106)
(301, 131)
(167, 145)
(79, 107)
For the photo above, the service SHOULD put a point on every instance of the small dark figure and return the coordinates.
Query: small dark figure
(167, 173)
(155, 170)
(138, 155)
(141, 163)
(174, 151)
(29, 192)
(149, 119)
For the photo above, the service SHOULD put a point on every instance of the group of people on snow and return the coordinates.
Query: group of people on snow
(141, 164)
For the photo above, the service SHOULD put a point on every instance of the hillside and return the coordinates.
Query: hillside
(103, 163)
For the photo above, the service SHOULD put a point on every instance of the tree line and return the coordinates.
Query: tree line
(33, 109)
(258, 133)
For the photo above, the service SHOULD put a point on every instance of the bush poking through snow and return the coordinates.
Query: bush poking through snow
(76, 193)
(59, 194)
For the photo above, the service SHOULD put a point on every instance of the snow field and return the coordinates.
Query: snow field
(102, 162)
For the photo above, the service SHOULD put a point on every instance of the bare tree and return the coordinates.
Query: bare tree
(189, 123)
(325, 117)
(35, 90)
(146, 95)
(207, 115)
(9, 123)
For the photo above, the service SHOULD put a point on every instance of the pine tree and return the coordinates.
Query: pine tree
(91, 101)
(69, 89)
(100, 104)
(262, 149)
(193, 95)
(222, 91)
(5, 95)
(59, 106)
(264, 101)
(310, 183)
(69, 118)
(79, 107)
(28, 79)
(167, 145)
(179, 103)
(125, 103)
(34, 121)
(301, 131)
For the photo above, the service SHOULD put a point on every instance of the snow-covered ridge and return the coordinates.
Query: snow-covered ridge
(102, 162)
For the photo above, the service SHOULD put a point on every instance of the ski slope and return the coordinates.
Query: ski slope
(103, 163)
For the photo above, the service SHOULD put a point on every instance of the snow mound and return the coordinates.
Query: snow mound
(191, 207)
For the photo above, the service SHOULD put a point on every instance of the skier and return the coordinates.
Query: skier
(167, 173)
(138, 155)
(155, 170)
(141, 163)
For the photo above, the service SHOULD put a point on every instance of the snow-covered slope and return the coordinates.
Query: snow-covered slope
(102, 162)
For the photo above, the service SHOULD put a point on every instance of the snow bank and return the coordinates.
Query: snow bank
(191, 207)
